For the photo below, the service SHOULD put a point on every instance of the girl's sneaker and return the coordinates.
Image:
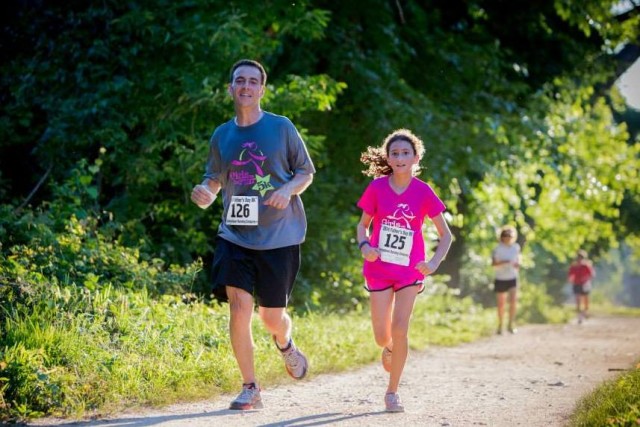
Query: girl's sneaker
(386, 359)
(249, 398)
(392, 403)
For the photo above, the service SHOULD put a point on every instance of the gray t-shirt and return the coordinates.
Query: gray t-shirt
(252, 161)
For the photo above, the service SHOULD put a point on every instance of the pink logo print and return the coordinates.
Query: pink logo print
(250, 149)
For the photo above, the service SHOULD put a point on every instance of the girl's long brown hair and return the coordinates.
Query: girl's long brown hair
(376, 157)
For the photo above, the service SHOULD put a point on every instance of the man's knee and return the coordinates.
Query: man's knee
(240, 301)
(273, 318)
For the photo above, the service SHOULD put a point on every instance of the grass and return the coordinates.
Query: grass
(614, 403)
(74, 353)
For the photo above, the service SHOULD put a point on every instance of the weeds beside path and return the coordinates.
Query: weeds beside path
(533, 378)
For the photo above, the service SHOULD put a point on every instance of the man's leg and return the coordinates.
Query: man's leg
(241, 311)
(278, 323)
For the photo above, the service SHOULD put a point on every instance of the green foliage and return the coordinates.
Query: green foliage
(70, 244)
(106, 112)
(107, 108)
(614, 403)
(535, 305)
(27, 388)
(68, 350)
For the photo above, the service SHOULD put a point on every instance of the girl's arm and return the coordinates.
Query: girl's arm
(368, 252)
(441, 250)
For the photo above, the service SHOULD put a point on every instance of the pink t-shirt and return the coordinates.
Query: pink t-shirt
(398, 218)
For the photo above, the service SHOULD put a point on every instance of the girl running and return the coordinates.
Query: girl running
(397, 203)
(505, 260)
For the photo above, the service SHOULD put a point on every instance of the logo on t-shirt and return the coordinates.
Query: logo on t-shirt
(252, 160)
(401, 217)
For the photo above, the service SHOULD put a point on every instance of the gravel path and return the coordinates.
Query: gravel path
(533, 378)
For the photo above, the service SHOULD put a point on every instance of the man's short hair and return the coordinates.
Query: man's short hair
(250, 63)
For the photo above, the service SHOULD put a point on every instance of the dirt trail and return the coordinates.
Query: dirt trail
(533, 378)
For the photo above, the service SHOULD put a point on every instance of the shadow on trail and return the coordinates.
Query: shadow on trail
(151, 420)
(226, 414)
(314, 420)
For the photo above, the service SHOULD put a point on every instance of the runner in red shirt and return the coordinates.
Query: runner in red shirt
(581, 272)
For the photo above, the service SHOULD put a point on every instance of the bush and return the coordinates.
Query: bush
(535, 305)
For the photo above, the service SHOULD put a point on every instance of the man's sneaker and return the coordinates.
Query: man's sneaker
(386, 359)
(249, 398)
(392, 403)
(294, 360)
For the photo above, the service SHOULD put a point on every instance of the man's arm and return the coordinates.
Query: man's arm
(281, 197)
(204, 194)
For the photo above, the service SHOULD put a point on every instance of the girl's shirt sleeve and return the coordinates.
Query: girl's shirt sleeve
(368, 201)
(433, 205)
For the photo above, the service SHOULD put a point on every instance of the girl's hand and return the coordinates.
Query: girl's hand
(426, 267)
(370, 253)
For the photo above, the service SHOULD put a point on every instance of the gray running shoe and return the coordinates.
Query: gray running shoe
(294, 360)
(249, 398)
(392, 403)
(386, 359)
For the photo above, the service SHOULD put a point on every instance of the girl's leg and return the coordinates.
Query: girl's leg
(513, 301)
(582, 301)
(381, 305)
(500, 300)
(402, 310)
(578, 303)
(586, 305)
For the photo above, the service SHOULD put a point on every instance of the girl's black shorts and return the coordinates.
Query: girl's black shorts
(504, 285)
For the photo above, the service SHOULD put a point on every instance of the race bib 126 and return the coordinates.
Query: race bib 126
(243, 210)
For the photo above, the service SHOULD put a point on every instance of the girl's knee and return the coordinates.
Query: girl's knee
(382, 340)
(399, 332)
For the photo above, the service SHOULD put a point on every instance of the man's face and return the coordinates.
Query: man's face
(246, 88)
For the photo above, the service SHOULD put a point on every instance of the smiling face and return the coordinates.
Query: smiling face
(246, 87)
(402, 157)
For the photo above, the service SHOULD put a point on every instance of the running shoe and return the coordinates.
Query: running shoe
(249, 398)
(386, 359)
(512, 329)
(392, 403)
(294, 360)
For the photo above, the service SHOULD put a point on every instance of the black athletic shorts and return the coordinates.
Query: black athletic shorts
(581, 289)
(504, 285)
(268, 275)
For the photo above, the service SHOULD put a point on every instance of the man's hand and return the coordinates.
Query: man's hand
(202, 196)
(279, 199)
